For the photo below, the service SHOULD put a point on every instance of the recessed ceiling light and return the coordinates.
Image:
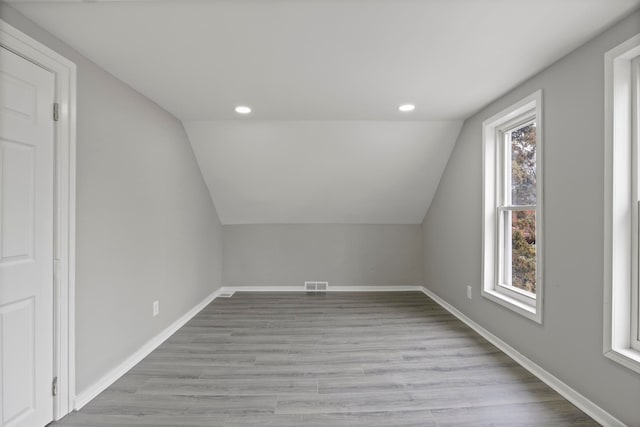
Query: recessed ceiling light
(405, 108)
(243, 109)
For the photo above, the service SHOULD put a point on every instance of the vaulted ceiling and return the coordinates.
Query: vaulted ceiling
(371, 172)
(325, 141)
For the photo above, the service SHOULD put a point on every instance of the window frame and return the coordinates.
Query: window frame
(495, 247)
(621, 208)
(635, 202)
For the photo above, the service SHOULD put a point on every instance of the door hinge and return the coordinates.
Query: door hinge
(56, 111)
(54, 386)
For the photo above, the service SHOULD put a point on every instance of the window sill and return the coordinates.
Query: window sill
(526, 310)
(627, 357)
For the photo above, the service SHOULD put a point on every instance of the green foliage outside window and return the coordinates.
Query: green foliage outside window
(523, 192)
(523, 252)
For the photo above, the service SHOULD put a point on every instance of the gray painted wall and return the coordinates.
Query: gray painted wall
(569, 343)
(146, 227)
(342, 254)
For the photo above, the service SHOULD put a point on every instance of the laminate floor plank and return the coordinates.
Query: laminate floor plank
(387, 400)
(89, 420)
(535, 414)
(336, 359)
(398, 418)
(271, 371)
(258, 420)
(234, 387)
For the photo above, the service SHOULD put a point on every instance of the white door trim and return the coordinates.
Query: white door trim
(64, 208)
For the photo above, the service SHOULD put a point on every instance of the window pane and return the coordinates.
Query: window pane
(523, 250)
(523, 165)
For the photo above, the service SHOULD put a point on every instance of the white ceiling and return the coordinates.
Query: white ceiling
(324, 61)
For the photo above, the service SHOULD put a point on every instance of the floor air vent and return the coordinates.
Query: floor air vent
(316, 286)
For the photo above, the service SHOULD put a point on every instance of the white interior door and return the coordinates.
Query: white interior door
(26, 242)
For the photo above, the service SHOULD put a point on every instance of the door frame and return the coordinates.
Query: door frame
(64, 208)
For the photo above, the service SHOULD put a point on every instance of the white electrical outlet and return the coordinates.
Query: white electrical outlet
(469, 292)
(156, 308)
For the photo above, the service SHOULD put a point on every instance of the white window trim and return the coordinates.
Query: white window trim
(620, 207)
(519, 302)
(635, 188)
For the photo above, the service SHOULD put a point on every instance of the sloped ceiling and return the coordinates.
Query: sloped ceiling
(325, 141)
(308, 172)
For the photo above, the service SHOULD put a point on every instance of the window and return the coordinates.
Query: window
(512, 208)
(622, 201)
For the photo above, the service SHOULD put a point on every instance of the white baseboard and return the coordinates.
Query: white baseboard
(112, 376)
(587, 406)
(338, 288)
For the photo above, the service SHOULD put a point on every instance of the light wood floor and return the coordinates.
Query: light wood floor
(339, 359)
